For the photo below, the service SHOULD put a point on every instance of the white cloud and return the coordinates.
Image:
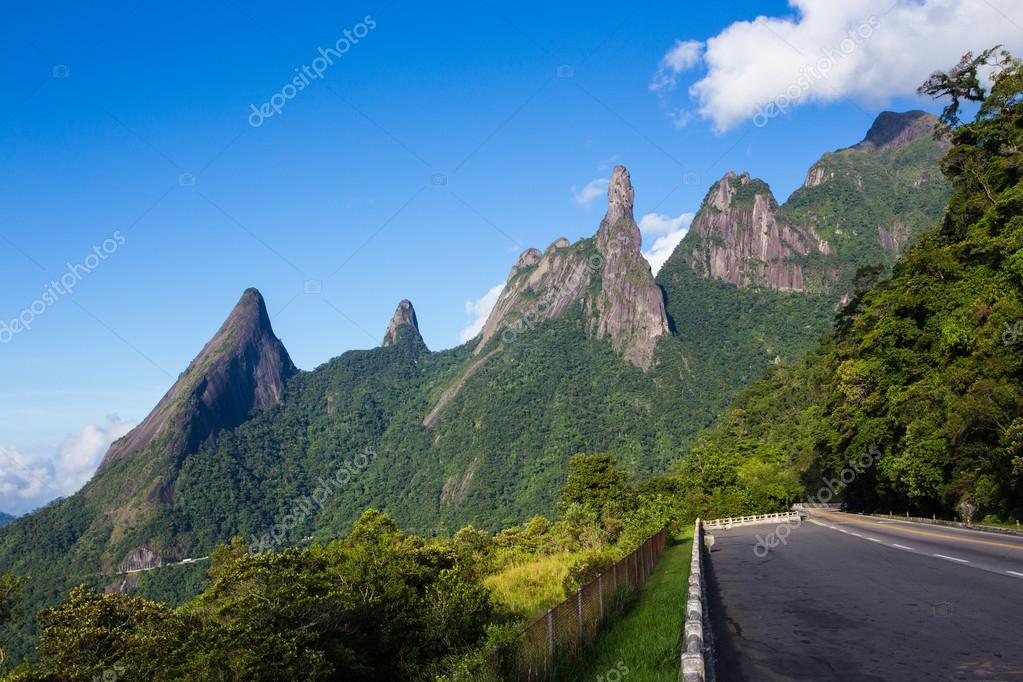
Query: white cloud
(80, 453)
(658, 224)
(683, 55)
(593, 189)
(22, 476)
(669, 232)
(479, 310)
(826, 51)
(30, 480)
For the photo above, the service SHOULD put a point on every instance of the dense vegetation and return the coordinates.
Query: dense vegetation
(5, 519)
(924, 369)
(729, 336)
(376, 605)
(499, 452)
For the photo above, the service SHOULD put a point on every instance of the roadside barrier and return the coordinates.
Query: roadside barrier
(559, 637)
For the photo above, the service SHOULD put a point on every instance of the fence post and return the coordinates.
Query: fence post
(579, 610)
(600, 590)
(550, 641)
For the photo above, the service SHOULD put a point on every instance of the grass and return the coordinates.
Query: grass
(997, 523)
(645, 639)
(531, 587)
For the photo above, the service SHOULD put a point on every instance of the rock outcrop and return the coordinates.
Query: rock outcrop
(403, 325)
(737, 237)
(606, 275)
(630, 306)
(858, 204)
(894, 129)
(244, 367)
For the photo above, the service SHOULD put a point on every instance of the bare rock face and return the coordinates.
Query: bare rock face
(628, 308)
(244, 367)
(404, 324)
(894, 129)
(817, 176)
(893, 238)
(738, 238)
(541, 286)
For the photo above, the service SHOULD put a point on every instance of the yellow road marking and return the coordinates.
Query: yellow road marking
(899, 528)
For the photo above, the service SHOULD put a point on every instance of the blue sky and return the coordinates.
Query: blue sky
(445, 140)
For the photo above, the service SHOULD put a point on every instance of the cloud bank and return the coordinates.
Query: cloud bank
(30, 480)
(869, 51)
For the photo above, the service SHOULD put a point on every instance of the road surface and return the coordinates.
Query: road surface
(846, 597)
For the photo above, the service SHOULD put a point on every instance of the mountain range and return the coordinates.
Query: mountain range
(584, 351)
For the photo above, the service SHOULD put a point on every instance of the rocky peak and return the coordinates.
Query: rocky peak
(628, 307)
(620, 195)
(403, 323)
(244, 367)
(529, 258)
(618, 229)
(893, 129)
(737, 237)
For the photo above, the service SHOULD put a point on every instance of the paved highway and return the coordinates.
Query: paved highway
(846, 597)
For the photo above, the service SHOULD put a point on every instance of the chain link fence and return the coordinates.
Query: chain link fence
(558, 638)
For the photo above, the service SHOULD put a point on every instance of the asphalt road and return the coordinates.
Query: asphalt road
(856, 598)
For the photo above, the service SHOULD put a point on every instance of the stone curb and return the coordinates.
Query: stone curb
(696, 646)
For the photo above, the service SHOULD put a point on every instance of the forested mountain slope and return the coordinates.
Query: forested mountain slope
(925, 369)
(584, 352)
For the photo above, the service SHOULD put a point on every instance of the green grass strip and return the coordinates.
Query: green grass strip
(642, 645)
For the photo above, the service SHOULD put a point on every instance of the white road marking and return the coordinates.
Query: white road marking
(856, 534)
(873, 539)
(1018, 575)
(951, 558)
(902, 547)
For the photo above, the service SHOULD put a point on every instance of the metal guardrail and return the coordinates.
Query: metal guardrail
(735, 522)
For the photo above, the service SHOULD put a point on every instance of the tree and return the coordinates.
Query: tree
(595, 481)
(10, 603)
(963, 82)
(91, 634)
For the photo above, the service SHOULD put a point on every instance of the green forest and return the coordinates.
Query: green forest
(756, 398)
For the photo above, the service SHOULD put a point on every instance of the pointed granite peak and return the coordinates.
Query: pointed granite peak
(620, 195)
(619, 230)
(242, 368)
(404, 320)
(249, 312)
